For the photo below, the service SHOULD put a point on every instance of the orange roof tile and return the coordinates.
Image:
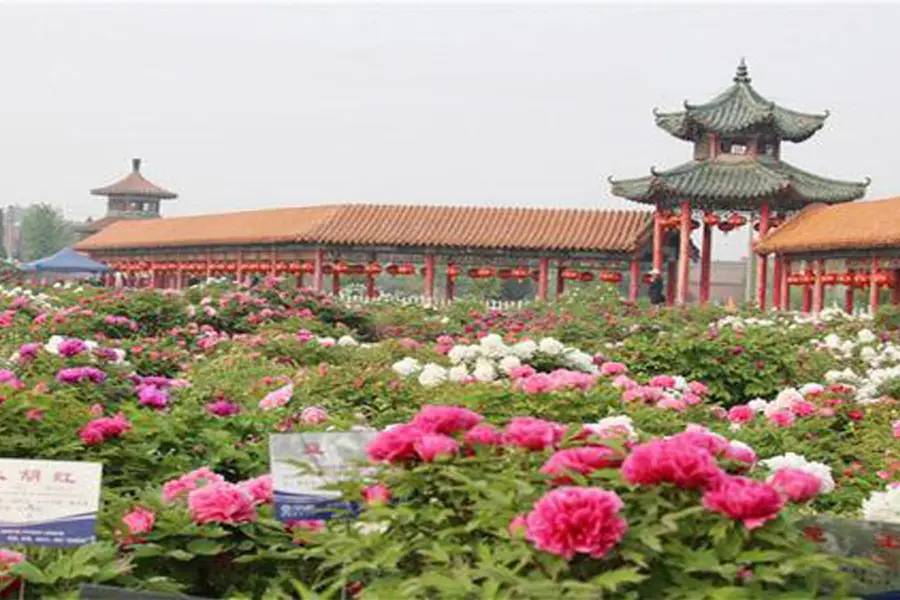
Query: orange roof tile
(134, 184)
(851, 226)
(391, 225)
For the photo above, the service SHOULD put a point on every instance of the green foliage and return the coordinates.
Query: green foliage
(44, 231)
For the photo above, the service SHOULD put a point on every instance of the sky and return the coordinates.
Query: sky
(256, 106)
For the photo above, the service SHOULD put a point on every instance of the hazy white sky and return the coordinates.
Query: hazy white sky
(255, 106)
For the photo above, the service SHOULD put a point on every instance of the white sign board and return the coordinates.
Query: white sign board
(327, 458)
(48, 503)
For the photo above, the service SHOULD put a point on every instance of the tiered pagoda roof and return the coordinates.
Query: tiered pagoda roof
(738, 181)
(740, 109)
(607, 231)
(135, 184)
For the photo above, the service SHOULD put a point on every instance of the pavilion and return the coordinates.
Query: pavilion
(397, 240)
(854, 246)
(736, 174)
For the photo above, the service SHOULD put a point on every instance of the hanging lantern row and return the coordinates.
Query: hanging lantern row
(213, 267)
(725, 224)
(861, 280)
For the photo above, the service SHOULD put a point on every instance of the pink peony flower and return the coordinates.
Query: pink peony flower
(797, 485)
(895, 428)
(533, 434)
(695, 387)
(34, 414)
(584, 460)
(802, 408)
(740, 414)
(71, 347)
(221, 502)
(221, 408)
(445, 419)
(259, 489)
(671, 461)
(483, 435)
(176, 488)
(746, 500)
(313, 415)
(96, 410)
(139, 521)
(376, 494)
(670, 403)
(740, 452)
(8, 559)
(663, 381)
(277, 398)
(717, 412)
(80, 375)
(27, 352)
(539, 383)
(624, 382)
(103, 429)
(782, 418)
(153, 397)
(395, 445)
(613, 368)
(576, 520)
(433, 446)
(522, 372)
(692, 399)
(299, 526)
(516, 527)
(700, 437)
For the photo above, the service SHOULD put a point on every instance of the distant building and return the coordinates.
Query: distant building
(12, 235)
(132, 197)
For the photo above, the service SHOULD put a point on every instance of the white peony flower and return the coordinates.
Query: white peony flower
(795, 461)
(865, 336)
(868, 354)
(579, 360)
(458, 373)
(484, 370)
(524, 350)
(883, 506)
(610, 426)
(551, 347)
(508, 363)
(492, 341)
(52, 345)
(406, 367)
(347, 341)
(811, 388)
(432, 375)
(758, 405)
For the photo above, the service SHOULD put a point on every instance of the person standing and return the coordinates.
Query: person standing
(655, 291)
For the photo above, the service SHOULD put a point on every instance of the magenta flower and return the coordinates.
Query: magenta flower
(71, 347)
(221, 408)
(433, 446)
(576, 520)
(75, 375)
(153, 397)
(742, 499)
(28, 352)
(445, 419)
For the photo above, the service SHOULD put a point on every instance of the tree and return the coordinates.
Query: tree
(44, 231)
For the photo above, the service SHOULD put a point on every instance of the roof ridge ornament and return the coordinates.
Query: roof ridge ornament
(742, 75)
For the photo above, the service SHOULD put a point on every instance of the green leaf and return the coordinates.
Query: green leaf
(612, 580)
(204, 547)
(29, 572)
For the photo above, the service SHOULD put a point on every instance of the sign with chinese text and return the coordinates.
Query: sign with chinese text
(48, 503)
(304, 463)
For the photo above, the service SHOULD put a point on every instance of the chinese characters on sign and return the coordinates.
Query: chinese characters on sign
(48, 503)
(304, 463)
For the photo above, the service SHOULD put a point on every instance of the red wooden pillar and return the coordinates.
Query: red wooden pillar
(777, 274)
(705, 263)
(807, 291)
(451, 283)
(300, 280)
(239, 271)
(635, 279)
(762, 264)
(543, 279)
(560, 282)
(319, 271)
(658, 240)
(429, 278)
(849, 295)
(684, 253)
(335, 281)
(895, 287)
(671, 278)
(819, 289)
(785, 289)
(370, 287)
(873, 287)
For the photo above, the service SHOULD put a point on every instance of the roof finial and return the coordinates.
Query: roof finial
(136, 165)
(742, 76)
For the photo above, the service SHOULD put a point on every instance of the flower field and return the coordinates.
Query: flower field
(584, 449)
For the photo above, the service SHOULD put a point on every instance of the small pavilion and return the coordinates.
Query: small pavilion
(736, 177)
(854, 247)
(369, 241)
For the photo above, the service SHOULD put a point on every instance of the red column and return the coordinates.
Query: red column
(705, 263)
(635, 280)
(849, 295)
(300, 280)
(895, 287)
(180, 282)
(777, 274)
(807, 292)
(560, 282)
(873, 287)
(762, 266)
(785, 289)
(335, 283)
(239, 272)
(451, 284)
(684, 253)
(429, 278)
(657, 241)
(671, 277)
(319, 273)
(819, 289)
(370, 286)
(543, 279)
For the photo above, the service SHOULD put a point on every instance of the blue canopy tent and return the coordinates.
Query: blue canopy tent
(66, 261)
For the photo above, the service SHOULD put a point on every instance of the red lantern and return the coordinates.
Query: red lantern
(570, 274)
(711, 219)
(356, 269)
(882, 279)
(725, 227)
(611, 277)
(307, 267)
(736, 220)
(453, 271)
(586, 277)
(845, 278)
(861, 279)
(520, 273)
(829, 278)
(340, 267)
(505, 274)
(406, 269)
(373, 269)
(481, 272)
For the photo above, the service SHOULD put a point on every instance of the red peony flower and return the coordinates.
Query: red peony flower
(395, 445)
(531, 433)
(671, 461)
(432, 446)
(796, 485)
(576, 520)
(583, 460)
(745, 500)
(446, 419)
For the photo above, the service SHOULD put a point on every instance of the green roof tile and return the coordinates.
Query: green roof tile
(737, 182)
(740, 109)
